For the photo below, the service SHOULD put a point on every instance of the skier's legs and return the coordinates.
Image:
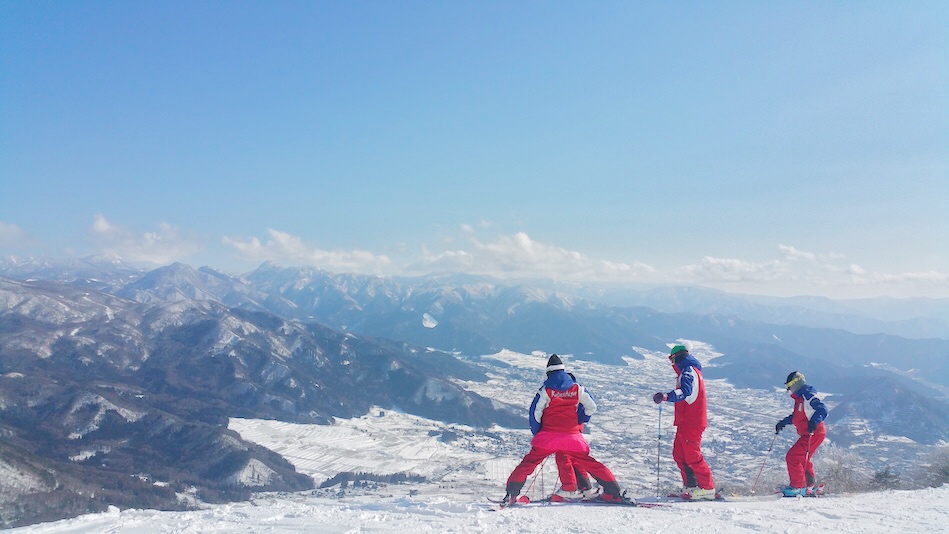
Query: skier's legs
(587, 463)
(565, 468)
(693, 459)
(565, 463)
(795, 460)
(678, 456)
(515, 482)
(689, 474)
(583, 479)
(809, 475)
(597, 470)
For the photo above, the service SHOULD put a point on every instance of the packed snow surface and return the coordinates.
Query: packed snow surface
(885, 512)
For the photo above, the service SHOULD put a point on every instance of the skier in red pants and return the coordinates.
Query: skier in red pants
(557, 414)
(586, 489)
(691, 419)
(808, 418)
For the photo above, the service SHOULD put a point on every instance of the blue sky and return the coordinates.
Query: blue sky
(780, 148)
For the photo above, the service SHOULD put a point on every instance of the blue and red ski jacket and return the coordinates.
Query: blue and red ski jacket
(689, 395)
(808, 408)
(561, 405)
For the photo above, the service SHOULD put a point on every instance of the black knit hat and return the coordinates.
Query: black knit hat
(555, 364)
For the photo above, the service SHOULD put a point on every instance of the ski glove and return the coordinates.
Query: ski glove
(659, 397)
(779, 427)
(811, 427)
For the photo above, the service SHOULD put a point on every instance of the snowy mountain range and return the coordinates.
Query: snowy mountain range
(113, 377)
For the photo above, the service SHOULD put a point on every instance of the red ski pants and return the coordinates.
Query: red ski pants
(687, 453)
(568, 479)
(583, 478)
(800, 466)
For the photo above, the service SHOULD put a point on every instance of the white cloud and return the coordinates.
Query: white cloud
(792, 266)
(282, 247)
(518, 255)
(791, 271)
(733, 270)
(800, 272)
(792, 253)
(862, 277)
(507, 256)
(166, 245)
(12, 236)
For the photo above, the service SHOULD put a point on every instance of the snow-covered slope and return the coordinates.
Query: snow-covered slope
(450, 511)
(463, 466)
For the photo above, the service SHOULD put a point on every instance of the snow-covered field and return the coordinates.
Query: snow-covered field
(451, 511)
(463, 466)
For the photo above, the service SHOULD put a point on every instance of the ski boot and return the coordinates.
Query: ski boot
(789, 491)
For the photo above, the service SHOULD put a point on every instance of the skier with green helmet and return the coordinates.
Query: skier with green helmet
(691, 419)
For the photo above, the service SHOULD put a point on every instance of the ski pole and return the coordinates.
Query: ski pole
(537, 472)
(658, 445)
(767, 454)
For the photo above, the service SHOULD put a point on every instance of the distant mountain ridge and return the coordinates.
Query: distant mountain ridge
(914, 318)
(480, 315)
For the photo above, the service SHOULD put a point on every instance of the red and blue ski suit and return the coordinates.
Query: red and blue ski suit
(691, 420)
(808, 418)
(557, 414)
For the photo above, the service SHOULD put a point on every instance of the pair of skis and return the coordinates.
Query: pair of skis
(643, 502)
(524, 501)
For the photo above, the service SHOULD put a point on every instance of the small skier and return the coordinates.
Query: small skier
(584, 486)
(808, 418)
(691, 419)
(587, 490)
(557, 414)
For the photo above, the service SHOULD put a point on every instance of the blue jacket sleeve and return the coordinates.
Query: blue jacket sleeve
(788, 420)
(535, 424)
(820, 411)
(684, 390)
(582, 416)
